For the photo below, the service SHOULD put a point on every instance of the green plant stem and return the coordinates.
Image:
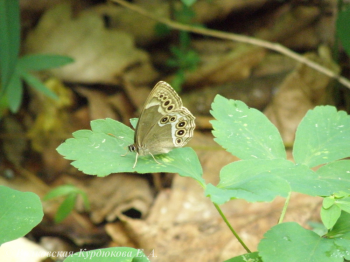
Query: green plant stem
(231, 228)
(284, 210)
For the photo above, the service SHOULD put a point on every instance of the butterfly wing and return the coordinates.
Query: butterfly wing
(164, 123)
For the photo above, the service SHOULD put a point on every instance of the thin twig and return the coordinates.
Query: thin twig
(239, 38)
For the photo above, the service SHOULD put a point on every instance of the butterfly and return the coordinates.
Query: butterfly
(164, 123)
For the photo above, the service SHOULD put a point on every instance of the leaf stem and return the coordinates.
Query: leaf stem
(231, 228)
(284, 210)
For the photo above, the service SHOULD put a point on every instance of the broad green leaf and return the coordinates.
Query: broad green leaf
(9, 40)
(66, 207)
(103, 151)
(42, 61)
(305, 181)
(341, 228)
(343, 29)
(252, 180)
(249, 257)
(337, 174)
(245, 132)
(263, 180)
(294, 243)
(14, 92)
(115, 254)
(322, 136)
(20, 212)
(330, 216)
(37, 84)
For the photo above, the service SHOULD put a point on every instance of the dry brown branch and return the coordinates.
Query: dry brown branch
(239, 38)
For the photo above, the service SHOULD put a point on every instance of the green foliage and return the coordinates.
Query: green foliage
(102, 150)
(184, 58)
(188, 2)
(70, 194)
(292, 242)
(332, 207)
(250, 257)
(343, 29)
(262, 174)
(245, 132)
(14, 70)
(19, 213)
(115, 254)
(323, 136)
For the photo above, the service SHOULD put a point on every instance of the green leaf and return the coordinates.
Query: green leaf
(323, 136)
(336, 174)
(252, 180)
(330, 216)
(343, 204)
(250, 257)
(245, 132)
(188, 2)
(66, 207)
(19, 213)
(293, 243)
(115, 254)
(318, 228)
(41, 61)
(102, 152)
(343, 29)
(162, 29)
(85, 199)
(36, 83)
(263, 180)
(133, 122)
(9, 39)
(14, 92)
(341, 228)
(61, 191)
(328, 202)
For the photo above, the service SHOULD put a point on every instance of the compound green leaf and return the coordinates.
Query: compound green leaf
(103, 151)
(245, 132)
(337, 175)
(330, 216)
(293, 243)
(341, 229)
(322, 136)
(20, 212)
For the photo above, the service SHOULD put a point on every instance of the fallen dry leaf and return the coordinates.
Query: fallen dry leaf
(101, 55)
(302, 89)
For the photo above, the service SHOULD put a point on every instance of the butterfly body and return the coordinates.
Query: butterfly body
(164, 123)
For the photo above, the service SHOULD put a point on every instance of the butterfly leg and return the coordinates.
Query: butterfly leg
(127, 152)
(155, 158)
(137, 155)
